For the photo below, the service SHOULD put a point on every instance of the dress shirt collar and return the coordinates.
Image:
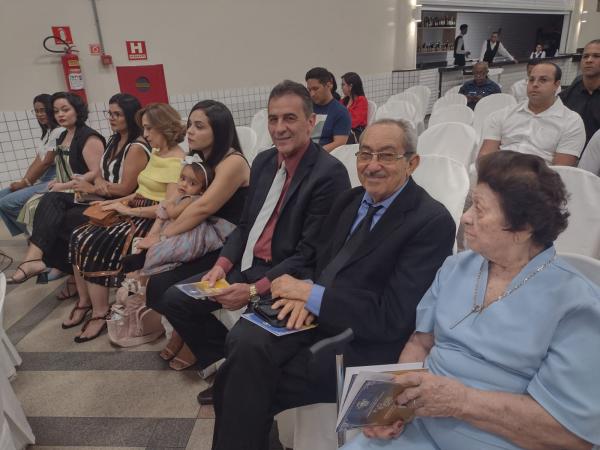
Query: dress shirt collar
(291, 162)
(556, 110)
(368, 200)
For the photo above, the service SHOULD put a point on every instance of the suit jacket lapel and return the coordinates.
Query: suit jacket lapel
(303, 169)
(345, 222)
(391, 219)
(265, 180)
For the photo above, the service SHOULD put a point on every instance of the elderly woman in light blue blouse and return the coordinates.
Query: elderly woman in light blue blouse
(509, 331)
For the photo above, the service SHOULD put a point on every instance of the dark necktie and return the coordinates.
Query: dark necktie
(349, 248)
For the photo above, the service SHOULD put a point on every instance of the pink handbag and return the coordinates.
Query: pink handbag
(132, 322)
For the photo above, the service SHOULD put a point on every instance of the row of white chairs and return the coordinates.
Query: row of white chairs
(312, 427)
(15, 431)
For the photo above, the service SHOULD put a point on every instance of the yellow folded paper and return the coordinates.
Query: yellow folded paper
(219, 286)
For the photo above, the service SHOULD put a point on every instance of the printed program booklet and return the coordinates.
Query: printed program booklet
(369, 396)
(251, 317)
(201, 290)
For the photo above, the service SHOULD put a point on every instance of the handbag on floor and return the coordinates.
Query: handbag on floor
(131, 322)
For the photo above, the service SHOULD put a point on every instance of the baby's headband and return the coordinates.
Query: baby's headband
(195, 159)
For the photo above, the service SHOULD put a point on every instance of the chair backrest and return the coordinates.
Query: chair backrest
(424, 94)
(411, 98)
(452, 139)
(2, 295)
(452, 113)
(488, 105)
(260, 126)
(248, 138)
(449, 99)
(582, 235)
(372, 111)
(446, 180)
(590, 267)
(346, 154)
(397, 110)
(453, 90)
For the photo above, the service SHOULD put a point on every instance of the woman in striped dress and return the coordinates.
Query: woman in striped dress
(58, 214)
(95, 251)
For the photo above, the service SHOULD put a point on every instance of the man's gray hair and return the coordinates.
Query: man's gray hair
(409, 143)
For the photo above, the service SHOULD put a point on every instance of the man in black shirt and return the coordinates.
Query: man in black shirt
(583, 96)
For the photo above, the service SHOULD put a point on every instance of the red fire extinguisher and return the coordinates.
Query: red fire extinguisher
(73, 74)
(71, 68)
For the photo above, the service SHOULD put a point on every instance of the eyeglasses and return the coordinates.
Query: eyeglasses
(112, 115)
(383, 157)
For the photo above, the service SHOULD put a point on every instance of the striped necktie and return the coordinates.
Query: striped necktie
(263, 216)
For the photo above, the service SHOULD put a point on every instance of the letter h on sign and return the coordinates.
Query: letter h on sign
(136, 50)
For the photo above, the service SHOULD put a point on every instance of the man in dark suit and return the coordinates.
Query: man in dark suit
(292, 188)
(378, 252)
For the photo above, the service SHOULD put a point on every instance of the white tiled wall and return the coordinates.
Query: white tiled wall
(19, 129)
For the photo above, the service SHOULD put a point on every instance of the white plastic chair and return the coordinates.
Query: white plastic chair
(371, 112)
(13, 418)
(247, 137)
(449, 99)
(347, 155)
(453, 90)
(446, 180)
(590, 267)
(424, 94)
(582, 235)
(397, 110)
(452, 139)
(9, 357)
(6, 442)
(259, 124)
(451, 113)
(411, 98)
(488, 105)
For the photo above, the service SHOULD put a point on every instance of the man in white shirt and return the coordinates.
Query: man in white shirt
(519, 89)
(541, 126)
(492, 47)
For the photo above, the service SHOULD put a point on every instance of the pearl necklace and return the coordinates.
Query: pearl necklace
(476, 308)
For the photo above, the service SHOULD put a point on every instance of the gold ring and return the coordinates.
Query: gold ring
(414, 403)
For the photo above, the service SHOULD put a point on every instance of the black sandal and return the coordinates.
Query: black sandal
(42, 275)
(65, 292)
(80, 339)
(75, 308)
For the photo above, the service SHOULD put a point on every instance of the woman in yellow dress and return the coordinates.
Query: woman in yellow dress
(95, 251)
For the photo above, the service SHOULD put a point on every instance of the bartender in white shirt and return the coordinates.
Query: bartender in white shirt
(492, 47)
(539, 52)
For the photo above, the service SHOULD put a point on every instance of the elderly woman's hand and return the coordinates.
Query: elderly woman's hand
(384, 432)
(432, 395)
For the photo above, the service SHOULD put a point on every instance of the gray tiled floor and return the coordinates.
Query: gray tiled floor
(94, 396)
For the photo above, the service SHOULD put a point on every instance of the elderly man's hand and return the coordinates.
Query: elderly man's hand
(384, 432)
(432, 395)
(298, 315)
(290, 288)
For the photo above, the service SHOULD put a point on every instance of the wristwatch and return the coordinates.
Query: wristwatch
(253, 297)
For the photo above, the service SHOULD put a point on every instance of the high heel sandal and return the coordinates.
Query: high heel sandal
(42, 275)
(66, 292)
(80, 339)
(75, 308)
(179, 363)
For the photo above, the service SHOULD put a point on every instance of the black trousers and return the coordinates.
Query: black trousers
(263, 375)
(193, 319)
(459, 60)
(55, 218)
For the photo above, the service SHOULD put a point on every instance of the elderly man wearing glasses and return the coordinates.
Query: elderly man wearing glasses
(379, 249)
